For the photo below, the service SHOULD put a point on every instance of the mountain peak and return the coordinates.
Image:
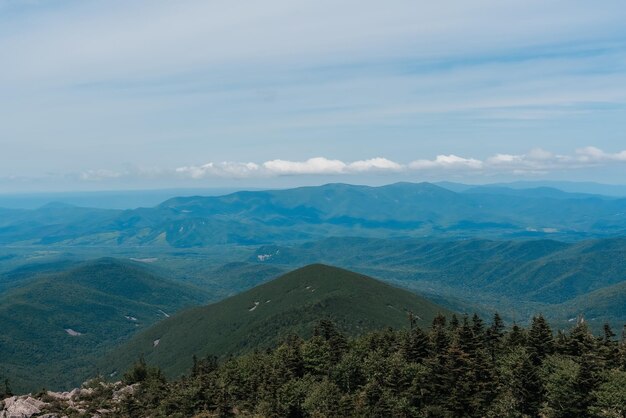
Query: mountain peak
(261, 316)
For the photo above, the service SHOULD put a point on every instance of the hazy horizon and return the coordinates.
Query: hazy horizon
(134, 198)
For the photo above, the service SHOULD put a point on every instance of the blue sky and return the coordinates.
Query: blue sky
(118, 94)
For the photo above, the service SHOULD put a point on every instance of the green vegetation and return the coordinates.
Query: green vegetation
(456, 368)
(54, 326)
(260, 317)
(518, 278)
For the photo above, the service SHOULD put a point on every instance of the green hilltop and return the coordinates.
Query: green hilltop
(262, 316)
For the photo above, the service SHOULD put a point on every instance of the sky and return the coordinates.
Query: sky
(223, 93)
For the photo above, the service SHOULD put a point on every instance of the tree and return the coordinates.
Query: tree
(540, 339)
(494, 336)
(138, 373)
(336, 340)
(559, 374)
(415, 346)
(587, 381)
(323, 400)
(609, 346)
(316, 356)
(516, 337)
(438, 336)
(610, 396)
(580, 340)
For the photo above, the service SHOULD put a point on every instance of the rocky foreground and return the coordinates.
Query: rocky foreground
(94, 399)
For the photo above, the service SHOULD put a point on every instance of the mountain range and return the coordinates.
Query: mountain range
(223, 263)
(307, 213)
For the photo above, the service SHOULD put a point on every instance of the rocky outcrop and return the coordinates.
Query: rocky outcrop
(78, 401)
(21, 406)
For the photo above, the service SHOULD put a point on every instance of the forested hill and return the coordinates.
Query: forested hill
(56, 325)
(260, 317)
(453, 368)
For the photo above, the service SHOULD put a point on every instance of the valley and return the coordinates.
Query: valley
(69, 313)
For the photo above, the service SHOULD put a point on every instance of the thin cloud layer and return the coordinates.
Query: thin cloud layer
(536, 161)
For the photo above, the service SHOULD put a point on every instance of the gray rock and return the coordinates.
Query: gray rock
(22, 407)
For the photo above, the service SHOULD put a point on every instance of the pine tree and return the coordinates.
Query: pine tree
(415, 346)
(460, 397)
(587, 381)
(466, 339)
(526, 386)
(494, 336)
(288, 357)
(454, 323)
(609, 347)
(540, 339)
(438, 335)
(336, 340)
(478, 328)
(138, 373)
(516, 337)
(580, 340)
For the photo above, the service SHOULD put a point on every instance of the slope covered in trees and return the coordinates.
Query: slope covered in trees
(519, 278)
(258, 318)
(457, 367)
(53, 327)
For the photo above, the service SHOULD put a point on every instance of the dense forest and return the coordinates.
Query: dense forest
(459, 367)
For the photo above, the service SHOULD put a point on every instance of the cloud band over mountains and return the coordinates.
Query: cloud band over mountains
(536, 161)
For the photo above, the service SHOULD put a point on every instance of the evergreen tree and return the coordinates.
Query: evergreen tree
(495, 336)
(609, 346)
(323, 400)
(587, 381)
(336, 340)
(526, 385)
(540, 339)
(454, 323)
(478, 328)
(516, 337)
(610, 396)
(416, 346)
(438, 336)
(475, 372)
(580, 340)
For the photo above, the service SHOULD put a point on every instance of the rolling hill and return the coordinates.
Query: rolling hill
(55, 325)
(260, 317)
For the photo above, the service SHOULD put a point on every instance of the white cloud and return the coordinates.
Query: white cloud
(593, 154)
(223, 169)
(278, 167)
(447, 162)
(374, 164)
(318, 165)
(100, 174)
(537, 161)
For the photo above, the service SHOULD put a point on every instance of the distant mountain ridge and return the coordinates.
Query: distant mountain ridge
(308, 213)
